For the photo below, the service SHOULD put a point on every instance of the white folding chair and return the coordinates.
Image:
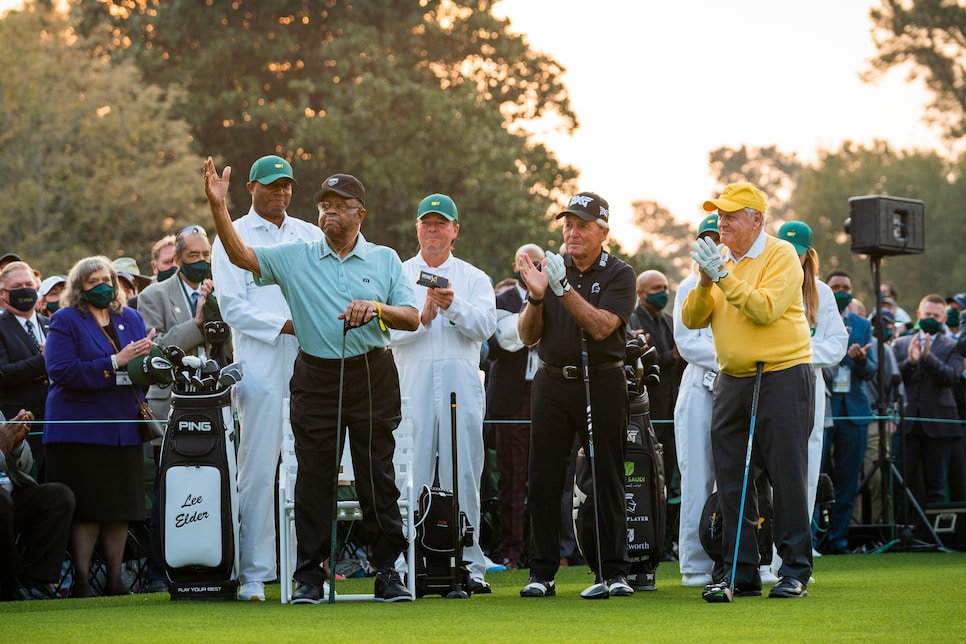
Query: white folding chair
(347, 510)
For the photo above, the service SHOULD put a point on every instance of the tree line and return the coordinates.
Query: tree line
(108, 110)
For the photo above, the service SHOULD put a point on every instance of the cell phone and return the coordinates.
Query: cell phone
(429, 280)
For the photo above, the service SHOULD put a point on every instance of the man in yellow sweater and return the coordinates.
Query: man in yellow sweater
(751, 296)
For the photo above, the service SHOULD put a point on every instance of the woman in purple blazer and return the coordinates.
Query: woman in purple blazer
(90, 341)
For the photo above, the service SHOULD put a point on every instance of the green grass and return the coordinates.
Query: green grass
(892, 597)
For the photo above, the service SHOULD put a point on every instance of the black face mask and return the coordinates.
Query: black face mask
(22, 299)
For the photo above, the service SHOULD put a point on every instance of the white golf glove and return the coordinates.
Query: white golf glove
(708, 257)
(556, 274)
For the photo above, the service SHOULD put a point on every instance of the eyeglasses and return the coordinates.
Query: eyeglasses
(192, 230)
(341, 208)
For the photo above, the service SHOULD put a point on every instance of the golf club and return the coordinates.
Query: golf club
(458, 592)
(599, 590)
(727, 594)
(338, 455)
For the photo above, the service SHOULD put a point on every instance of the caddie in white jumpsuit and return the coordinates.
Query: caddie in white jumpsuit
(443, 356)
(263, 341)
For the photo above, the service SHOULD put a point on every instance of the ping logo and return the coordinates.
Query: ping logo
(194, 426)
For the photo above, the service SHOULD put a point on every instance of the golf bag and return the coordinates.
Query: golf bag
(646, 499)
(441, 536)
(199, 497)
(710, 524)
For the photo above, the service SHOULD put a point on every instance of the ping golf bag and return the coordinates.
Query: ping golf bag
(441, 537)
(644, 487)
(199, 497)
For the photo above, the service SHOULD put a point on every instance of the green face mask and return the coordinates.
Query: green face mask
(842, 300)
(100, 296)
(657, 299)
(52, 306)
(887, 334)
(952, 317)
(165, 274)
(196, 272)
(931, 326)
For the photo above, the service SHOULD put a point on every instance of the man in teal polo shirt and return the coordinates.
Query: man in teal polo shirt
(338, 283)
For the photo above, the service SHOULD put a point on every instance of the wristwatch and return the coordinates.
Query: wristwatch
(533, 301)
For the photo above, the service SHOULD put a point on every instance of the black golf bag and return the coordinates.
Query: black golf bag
(644, 486)
(710, 524)
(440, 536)
(199, 497)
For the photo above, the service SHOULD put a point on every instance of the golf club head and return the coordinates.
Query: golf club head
(230, 374)
(191, 362)
(717, 594)
(174, 355)
(597, 591)
(209, 383)
(649, 357)
(197, 382)
(634, 349)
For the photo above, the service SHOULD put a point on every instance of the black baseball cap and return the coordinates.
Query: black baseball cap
(589, 206)
(345, 185)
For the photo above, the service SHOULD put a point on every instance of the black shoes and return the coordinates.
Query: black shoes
(788, 587)
(618, 587)
(478, 587)
(389, 587)
(721, 592)
(307, 594)
(537, 587)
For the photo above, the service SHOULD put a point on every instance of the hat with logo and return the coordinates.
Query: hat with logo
(128, 267)
(50, 283)
(708, 225)
(798, 234)
(440, 204)
(270, 169)
(589, 206)
(736, 196)
(345, 185)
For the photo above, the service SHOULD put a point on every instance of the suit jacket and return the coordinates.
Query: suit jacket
(929, 385)
(508, 369)
(855, 402)
(23, 375)
(164, 307)
(83, 385)
(660, 329)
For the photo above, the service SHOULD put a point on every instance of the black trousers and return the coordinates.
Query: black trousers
(41, 515)
(786, 403)
(370, 413)
(559, 413)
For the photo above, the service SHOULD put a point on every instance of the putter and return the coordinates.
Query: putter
(457, 592)
(335, 489)
(599, 590)
(727, 594)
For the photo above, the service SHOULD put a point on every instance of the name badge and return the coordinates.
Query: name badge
(843, 380)
(122, 378)
(709, 378)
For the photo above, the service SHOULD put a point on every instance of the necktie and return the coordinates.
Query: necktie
(195, 296)
(30, 331)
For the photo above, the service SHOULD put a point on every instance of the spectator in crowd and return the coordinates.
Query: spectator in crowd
(162, 263)
(34, 519)
(657, 327)
(6, 258)
(692, 427)
(752, 299)
(512, 368)
(335, 287)
(829, 345)
(91, 340)
(930, 366)
(129, 273)
(903, 321)
(23, 332)
(263, 338)
(845, 441)
(49, 294)
(441, 356)
(577, 310)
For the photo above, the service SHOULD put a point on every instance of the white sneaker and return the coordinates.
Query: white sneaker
(695, 579)
(252, 591)
(767, 576)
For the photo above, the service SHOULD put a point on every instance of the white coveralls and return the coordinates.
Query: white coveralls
(830, 341)
(256, 315)
(692, 432)
(442, 358)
